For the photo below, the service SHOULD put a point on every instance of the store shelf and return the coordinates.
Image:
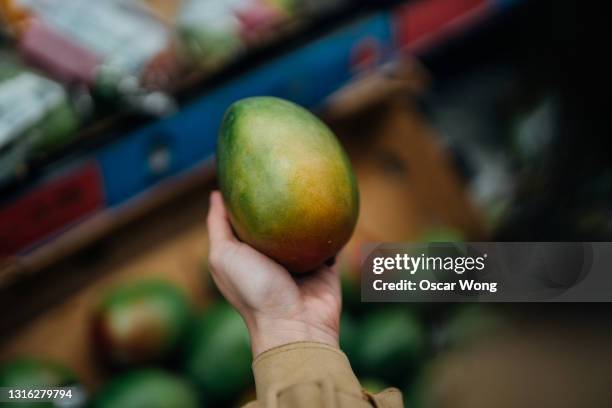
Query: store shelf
(154, 161)
(114, 182)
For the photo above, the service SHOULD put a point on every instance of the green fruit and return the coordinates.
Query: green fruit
(148, 388)
(286, 181)
(141, 322)
(392, 344)
(31, 373)
(218, 354)
(471, 324)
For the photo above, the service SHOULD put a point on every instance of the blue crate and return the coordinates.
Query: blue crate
(307, 75)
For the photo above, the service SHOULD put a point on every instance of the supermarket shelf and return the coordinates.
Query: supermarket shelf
(101, 223)
(104, 188)
(83, 197)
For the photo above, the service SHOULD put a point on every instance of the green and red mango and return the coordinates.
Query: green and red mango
(286, 181)
(141, 322)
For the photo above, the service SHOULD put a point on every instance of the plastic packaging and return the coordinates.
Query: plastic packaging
(36, 116)
(112, 47)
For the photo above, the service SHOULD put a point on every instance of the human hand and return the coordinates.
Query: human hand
(278, 308)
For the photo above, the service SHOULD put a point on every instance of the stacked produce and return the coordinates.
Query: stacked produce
(210, 364)
(159, 351)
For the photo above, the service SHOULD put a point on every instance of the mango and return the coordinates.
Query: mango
(286, 181)
(393, 343)
(140, 322)
(147, 387)
(217, 357)
(36, 373)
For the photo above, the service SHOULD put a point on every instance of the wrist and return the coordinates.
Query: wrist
(267, 333)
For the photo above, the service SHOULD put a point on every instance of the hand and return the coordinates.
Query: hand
(278, 308)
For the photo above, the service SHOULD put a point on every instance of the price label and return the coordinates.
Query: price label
(49, 208)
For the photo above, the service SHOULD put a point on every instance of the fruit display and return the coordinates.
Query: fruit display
(217, 354)
(387, 345)
(286, 181)
(141, 322)
(36, 115)
(32, 373)
(151, 388)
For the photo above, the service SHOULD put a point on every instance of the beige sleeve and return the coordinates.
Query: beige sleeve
(312, 375)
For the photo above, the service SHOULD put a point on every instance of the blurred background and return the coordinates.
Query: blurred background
(464, 120)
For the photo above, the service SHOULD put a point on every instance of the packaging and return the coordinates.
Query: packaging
(36, 116)
(112, 47)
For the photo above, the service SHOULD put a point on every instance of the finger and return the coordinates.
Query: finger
(219, 229)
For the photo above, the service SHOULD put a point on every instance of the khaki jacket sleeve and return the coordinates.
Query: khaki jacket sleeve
(313, 375)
